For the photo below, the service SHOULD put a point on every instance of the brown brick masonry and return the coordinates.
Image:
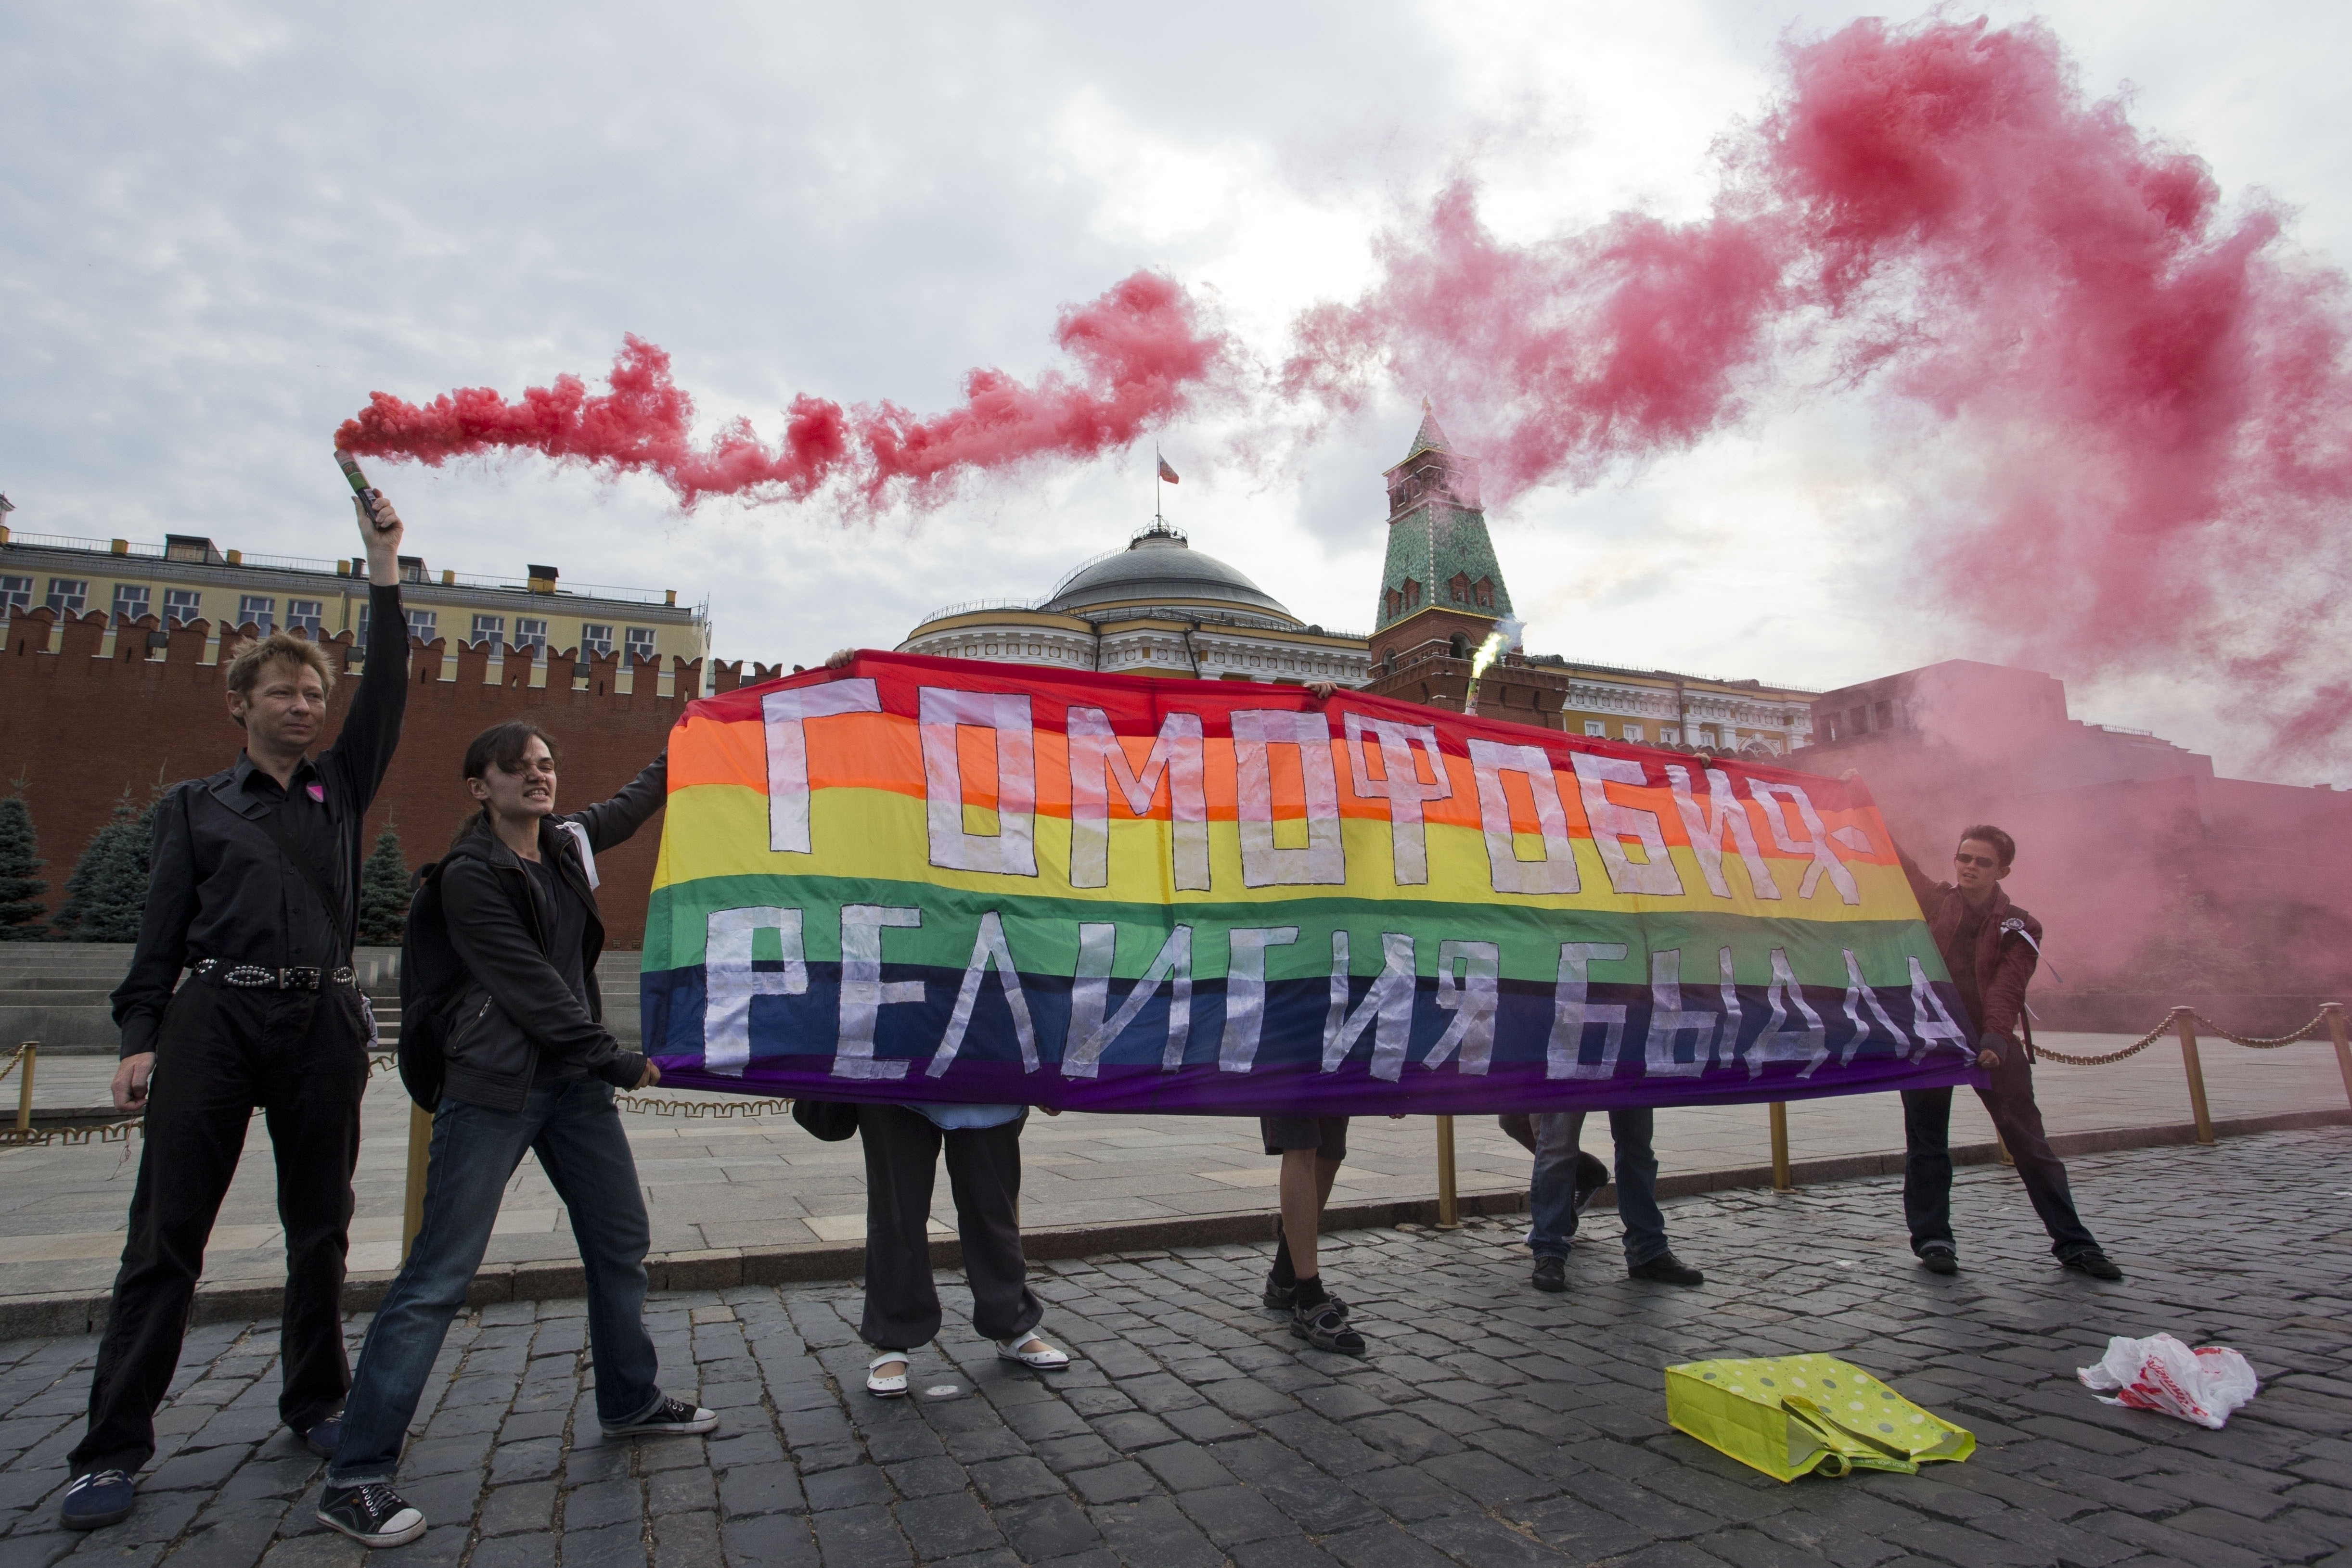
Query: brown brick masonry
(79, 726)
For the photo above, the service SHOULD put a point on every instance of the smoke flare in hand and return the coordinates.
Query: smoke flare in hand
(2151, 393)
(1141, 349)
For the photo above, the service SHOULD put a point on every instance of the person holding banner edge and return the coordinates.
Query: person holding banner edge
(1992, 948)
(253, 888)
(502, 945)
(902, 1144)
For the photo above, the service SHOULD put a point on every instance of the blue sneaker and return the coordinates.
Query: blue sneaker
(98, 1499)
(320, 1440)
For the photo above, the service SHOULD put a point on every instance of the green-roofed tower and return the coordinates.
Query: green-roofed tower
(1439, 556)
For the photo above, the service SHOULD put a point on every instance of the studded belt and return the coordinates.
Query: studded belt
(256, 978)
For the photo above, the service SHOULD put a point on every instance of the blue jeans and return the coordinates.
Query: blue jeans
(1553, 1192)
(571, 1126)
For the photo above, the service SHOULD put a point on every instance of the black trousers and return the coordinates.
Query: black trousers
(302, 1058)
(1927, 1160)
(902, 1154)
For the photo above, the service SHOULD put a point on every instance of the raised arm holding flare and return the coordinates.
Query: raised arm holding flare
(253, 888)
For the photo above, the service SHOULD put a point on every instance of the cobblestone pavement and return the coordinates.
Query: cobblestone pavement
(735, 1182)
(1489, 1426)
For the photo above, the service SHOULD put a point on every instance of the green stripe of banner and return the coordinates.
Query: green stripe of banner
(1043, 933)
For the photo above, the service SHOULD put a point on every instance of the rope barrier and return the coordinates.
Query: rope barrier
(2041, 1051)
(2311, 1030)
(2315, 1030)
(724, 1110)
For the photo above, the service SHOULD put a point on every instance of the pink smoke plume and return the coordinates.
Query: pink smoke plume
(1140, 351)
(2156, 388)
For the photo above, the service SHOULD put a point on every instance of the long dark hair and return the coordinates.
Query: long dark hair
(502, 744)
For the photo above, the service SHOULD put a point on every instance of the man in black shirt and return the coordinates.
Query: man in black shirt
(253, 888)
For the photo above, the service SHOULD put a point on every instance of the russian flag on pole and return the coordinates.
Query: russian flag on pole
(915, 879)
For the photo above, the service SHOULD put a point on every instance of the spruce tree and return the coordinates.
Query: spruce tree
(383, 892)
(21, 904)
(108, 890)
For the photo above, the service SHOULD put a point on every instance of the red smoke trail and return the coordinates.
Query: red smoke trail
(2157, 390)
(1139, 350)
(1138, 347)
(640, 425)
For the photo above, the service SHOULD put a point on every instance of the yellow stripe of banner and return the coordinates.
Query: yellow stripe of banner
(722, 830)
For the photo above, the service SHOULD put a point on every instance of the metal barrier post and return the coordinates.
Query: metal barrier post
(1449, 1212)
(420, 1151)
(25, 1055)
(2334, 1013)
(2185, 1021)
(1782, 1181)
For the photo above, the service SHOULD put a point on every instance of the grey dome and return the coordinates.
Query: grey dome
(1159, 565)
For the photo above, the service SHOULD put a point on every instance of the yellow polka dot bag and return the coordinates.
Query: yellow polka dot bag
(1793, 1414)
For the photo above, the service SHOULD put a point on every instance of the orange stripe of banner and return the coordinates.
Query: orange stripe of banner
(882, 751)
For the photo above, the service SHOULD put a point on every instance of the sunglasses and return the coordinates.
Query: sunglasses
(1987, 862)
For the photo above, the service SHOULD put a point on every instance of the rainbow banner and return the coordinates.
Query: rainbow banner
(917, 878)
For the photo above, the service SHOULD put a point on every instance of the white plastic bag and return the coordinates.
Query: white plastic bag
(2160, 1373)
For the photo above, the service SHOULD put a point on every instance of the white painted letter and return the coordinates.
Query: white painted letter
(1012, 850)
(1612, 824)
(1474, 1005)
(1556, 873)
(730, 982)
(1571, 1012)
(1817, 842)
(1089, 1035)
(1706, 830)
(988, 948)
(1386, 1010)
(1245, 992)
(1400, 785)
(1325, 858)
(1669, 1021)
(1097, 758)
(863, 990)
(781, 714)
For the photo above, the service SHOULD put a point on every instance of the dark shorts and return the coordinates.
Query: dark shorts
(1326, 1135)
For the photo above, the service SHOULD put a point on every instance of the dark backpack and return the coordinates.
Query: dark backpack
(431, 976)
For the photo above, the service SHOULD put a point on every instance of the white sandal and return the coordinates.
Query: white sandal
(1047, 1359)
(888, 1387)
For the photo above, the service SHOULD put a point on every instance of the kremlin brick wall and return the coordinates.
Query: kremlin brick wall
(78, 727)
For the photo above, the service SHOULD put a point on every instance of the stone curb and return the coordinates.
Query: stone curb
(719, 1268)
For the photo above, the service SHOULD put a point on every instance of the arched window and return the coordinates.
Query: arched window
(1411, 593)
(1388, 661)
(1459, 644)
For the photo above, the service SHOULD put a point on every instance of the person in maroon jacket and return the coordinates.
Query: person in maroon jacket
(1990, 947)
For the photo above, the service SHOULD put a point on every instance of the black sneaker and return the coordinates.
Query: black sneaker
(670, 1418)
(1939, 1259)
(1325, 1326)
(2095, 1263)
(1666, 1270)
(1552, 1274)
(99, 1498)
(373, 1515)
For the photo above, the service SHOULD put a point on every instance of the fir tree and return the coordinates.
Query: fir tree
(383, 892)
(21, 904)
(108, 890)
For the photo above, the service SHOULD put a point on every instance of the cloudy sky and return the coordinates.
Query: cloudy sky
(227, 222)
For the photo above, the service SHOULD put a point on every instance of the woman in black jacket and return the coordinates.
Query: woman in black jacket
(508, 925)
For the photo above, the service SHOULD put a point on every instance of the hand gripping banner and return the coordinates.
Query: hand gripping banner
(916, 879)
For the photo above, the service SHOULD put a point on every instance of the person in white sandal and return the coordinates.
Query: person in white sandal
(902, 1146)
